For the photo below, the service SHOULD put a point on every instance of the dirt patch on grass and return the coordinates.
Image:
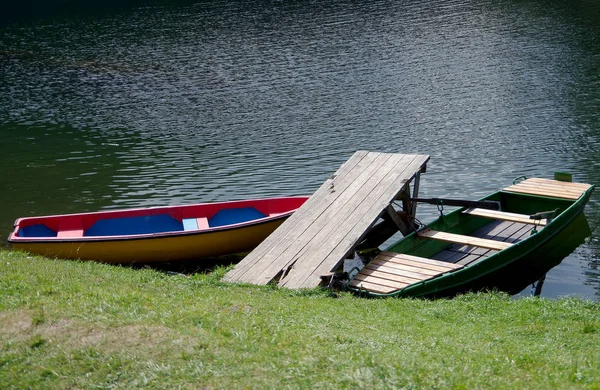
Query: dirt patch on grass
(15, 322)
(21, 325)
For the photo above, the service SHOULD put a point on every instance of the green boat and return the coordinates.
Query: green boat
(490, 245)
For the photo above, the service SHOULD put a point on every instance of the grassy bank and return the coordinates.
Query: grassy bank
(85, 325)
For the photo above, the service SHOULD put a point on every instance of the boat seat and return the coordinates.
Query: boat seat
(504, 216)
(195, 223)
(465, 240)
(70, 228)
(550, 188)
(70, 233)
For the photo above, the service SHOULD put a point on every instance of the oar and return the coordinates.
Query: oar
(482, 204)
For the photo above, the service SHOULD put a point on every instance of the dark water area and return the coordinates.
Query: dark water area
(156, 103)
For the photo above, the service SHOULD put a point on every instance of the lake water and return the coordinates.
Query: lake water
(155, 104)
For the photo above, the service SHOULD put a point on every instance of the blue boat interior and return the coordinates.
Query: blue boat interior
(39, 230)
(233, 216)
(161, 223)
(134, 225)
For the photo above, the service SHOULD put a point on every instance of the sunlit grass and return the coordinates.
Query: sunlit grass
(67, 324)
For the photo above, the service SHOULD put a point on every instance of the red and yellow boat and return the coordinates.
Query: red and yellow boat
(156, 234)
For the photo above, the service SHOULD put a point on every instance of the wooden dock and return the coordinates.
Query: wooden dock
(317, 238)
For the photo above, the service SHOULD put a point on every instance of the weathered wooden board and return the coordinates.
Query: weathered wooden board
(466, 240)
(551, 188)
(415, 261)
(326, 229)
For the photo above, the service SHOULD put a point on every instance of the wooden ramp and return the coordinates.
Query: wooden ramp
(317, 238)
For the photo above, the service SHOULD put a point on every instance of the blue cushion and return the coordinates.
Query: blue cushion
(39, 230)
(232, 216)
(134, 225)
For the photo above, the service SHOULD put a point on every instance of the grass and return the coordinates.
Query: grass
(67, 324)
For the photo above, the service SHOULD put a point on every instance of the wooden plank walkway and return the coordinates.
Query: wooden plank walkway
(547, 187)
(326, 229)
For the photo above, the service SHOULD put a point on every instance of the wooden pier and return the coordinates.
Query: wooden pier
(317, 238)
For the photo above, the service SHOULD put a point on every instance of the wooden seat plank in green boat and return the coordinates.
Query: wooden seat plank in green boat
(551, 188)
(504, 216)
(466, 240)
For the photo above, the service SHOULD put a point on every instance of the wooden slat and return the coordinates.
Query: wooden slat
(581, 186)
(416, 260)
(504, 216)
(533, 190)
(385, 278)
(372, 287)
(466, 240)
(498, 230)
(402, 270)
(551, 188)
(390, 272)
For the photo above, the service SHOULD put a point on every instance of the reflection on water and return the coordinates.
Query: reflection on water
(217, 100)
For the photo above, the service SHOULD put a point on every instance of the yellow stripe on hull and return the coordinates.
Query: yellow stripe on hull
(157, 248)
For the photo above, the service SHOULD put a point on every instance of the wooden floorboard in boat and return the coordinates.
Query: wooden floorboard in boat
(325, 230)
(382, 274)
(396, 271)
(421, 262)
(403, 268)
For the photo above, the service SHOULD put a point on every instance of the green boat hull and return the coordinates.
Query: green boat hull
(510, 269)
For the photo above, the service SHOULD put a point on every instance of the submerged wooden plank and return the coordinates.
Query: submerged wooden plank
(504, 216)
(325, 230)
(467, 240)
